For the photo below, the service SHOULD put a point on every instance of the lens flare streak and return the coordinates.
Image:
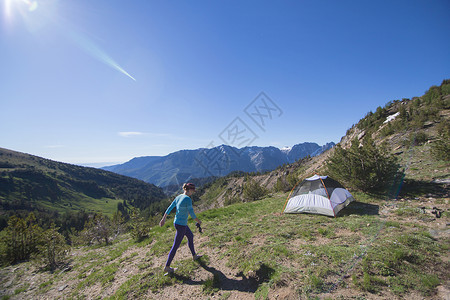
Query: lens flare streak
(74, 36)
(89, 47)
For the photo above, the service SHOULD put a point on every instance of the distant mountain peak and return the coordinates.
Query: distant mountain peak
(286, 149)
(218, 161)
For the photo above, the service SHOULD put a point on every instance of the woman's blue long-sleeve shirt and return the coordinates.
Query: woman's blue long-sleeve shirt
(183, 203)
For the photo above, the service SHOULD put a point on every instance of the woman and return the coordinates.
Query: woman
(183, 203)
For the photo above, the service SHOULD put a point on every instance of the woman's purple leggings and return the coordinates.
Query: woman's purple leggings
(181, 232)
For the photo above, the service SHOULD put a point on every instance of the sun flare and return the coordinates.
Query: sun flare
(21, 5)
(36, 21)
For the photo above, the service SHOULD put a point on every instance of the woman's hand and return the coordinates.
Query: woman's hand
(163, 220)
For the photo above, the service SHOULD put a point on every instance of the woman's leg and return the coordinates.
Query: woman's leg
(181, 231)
(190, 237)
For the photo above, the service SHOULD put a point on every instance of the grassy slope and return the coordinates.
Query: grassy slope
(377, 249)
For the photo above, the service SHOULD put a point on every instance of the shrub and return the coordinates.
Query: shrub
(52, 249)
(139, 229)
(286, 183)
(253, 191)
(440, 149)
(416, 139)
(367, 167)
(231, 200)
(388, 130)
(280, 185)
(19, 239)
(99, 228)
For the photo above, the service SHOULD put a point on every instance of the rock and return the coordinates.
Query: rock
(441, 180)
(62, 288)
(9, 283)
(65, 270)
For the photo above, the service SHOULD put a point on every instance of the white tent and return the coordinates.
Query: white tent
(318, 195)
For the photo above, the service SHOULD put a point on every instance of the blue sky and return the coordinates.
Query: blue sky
(105, 81)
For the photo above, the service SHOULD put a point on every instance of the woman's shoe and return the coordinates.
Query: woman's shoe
(196, 257)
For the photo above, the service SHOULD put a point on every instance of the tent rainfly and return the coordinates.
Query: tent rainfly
(318, 195)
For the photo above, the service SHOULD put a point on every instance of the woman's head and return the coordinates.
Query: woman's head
(189, 186)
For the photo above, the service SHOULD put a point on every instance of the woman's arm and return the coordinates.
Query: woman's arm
(168, 210)
(191, 211)
(163, 220)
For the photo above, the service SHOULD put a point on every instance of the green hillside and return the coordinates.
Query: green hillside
(31, 183)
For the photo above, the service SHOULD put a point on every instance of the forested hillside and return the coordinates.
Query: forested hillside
(52, 189)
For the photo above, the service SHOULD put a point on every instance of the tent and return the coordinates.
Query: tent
(318, 195)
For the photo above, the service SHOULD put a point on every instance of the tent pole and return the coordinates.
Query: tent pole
(327, 196)
(290, 193)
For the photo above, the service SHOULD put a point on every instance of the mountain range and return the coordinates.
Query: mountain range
(180, 166)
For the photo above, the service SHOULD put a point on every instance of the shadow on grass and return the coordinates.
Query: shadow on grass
(359, 208)
(222, 282)
(420, 188)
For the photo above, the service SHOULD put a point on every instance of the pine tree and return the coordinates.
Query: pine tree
(20, 239)
(53, 249)
(253, 191)
(139, 229)
(440, 148)
(364, 166)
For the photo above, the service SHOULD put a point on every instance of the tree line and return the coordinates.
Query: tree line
(27, 237)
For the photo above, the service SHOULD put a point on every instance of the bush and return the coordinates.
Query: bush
(286, 183)
(253, 191)
(440, 149)
(387, 130)
(99, 228)
(20, 239)
(416, 139)
(52, 249)
(231, 200)
(280, 185)
(367, 167)
(139, 229)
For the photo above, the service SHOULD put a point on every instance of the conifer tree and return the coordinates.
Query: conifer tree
(20, 239)
(139, 229)
(364, 166)
(53, 249)
(440, 148)
(253, 191)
